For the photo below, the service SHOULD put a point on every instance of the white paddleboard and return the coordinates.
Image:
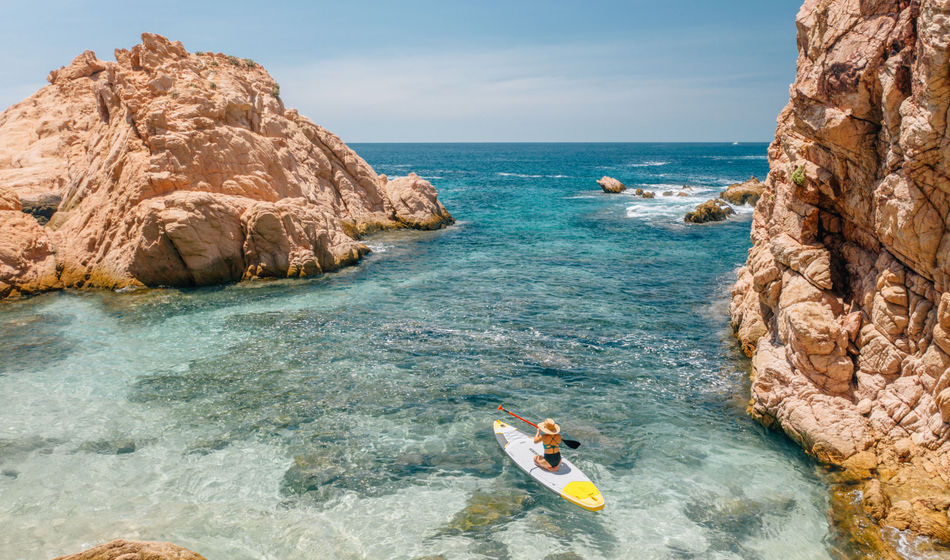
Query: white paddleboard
(568, 481)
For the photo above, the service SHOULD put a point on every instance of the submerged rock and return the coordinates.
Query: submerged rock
(119, 446)
(169, 168)
(135, 550)
(485, 512)
(743, 193)
(611, 185)
(710, 211)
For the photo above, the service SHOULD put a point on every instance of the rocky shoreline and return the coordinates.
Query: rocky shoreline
(170, 168)
(843, 303)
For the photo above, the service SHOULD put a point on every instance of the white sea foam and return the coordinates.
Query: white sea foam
(527, 176)
(648, 164)
(379, 247)
(747, 157)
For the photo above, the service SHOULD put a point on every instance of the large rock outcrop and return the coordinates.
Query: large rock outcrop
(844, 300)
(173, 168)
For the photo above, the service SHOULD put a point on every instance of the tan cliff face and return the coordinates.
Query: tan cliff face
(174, 168)
(844, 300)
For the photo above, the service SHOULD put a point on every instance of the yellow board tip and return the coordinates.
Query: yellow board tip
(584, 494)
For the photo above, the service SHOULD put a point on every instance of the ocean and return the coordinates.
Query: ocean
(349, 415)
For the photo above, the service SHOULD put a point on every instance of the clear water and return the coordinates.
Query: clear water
(348, 416)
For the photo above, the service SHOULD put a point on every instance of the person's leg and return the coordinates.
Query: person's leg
(541, 462)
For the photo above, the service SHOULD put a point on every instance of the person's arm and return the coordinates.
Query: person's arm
(537, 436)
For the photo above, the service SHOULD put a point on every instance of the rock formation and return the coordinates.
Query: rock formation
(710, 211)
(174, 168)
(747, 192)
(135, 550)
(611, 185)
(843, 302)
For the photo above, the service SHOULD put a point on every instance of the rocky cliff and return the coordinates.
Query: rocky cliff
(173, 168)
(843, 302)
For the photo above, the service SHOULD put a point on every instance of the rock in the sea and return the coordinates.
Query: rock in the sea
(172, 168)
(845, 297)
(135, 550)
(747, 192)
(710, 211)
(611, 185)
(648, 194)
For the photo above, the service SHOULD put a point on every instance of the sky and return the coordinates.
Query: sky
(461, 71)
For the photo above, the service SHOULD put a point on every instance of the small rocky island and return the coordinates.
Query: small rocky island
(747, 192)
(611, 185)
(713, 210)
(170, 168)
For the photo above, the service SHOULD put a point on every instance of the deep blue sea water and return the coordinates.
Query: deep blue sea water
(349, 416)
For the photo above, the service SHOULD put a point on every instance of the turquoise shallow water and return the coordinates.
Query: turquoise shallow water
(349, 416)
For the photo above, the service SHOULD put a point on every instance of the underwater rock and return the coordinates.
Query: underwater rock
(135, 550)
(485, 512)
(119, 446)
(710, 211)
(170, 168)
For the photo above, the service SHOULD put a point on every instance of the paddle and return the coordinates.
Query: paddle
(573, 444)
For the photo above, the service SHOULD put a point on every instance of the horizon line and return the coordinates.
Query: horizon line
(726, 142)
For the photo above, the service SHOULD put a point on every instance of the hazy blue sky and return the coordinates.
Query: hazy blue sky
(440, 70)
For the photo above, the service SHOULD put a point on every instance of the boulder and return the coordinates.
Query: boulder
(611, 185)
(709, 211)
(747, 192)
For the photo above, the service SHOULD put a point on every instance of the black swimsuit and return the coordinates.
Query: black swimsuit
(553, 459)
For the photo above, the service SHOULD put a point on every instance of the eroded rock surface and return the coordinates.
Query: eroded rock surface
(172, 168)
(710, 211)
(843, 302)
(135, 550)
(747, 192)
(611, 185)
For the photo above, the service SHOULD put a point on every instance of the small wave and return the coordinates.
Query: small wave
(526, 176)
(379, 247)
(427, 177)
(648, 164)
(726, 158)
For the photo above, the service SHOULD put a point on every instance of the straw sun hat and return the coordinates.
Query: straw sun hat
(549, 427)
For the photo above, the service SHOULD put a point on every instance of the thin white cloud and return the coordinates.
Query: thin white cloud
(557, 93)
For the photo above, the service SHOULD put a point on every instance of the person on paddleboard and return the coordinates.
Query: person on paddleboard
(549, 434)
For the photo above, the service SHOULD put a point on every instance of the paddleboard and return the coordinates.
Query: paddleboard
(568, 481)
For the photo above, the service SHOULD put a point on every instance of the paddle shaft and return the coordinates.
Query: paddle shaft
(518, 417)
(573, 444)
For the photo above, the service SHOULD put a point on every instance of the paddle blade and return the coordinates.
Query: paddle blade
(500, 408)
(573, 444)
